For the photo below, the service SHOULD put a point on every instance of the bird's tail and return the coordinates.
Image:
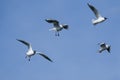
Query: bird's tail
(99, 51)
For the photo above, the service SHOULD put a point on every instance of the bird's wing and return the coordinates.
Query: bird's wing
(45, 56)
(55, 22)
(24, 42)
(102, 45)
(100, 50)
(95, 11)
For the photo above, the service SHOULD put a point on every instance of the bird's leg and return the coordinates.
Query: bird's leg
(29, 58)
(25, 56)
(58, 34)
(55, 33)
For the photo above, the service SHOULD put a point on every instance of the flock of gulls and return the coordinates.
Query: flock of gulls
(57, 27)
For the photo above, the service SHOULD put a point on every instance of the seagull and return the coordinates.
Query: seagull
(57, 27)
(32, 52)
(104, 46)
(99, 18)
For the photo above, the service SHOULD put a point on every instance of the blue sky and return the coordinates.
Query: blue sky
(74, 53)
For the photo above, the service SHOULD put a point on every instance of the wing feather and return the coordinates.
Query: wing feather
(95, 11)
(45, 56)
(55, 22)
(24, 42)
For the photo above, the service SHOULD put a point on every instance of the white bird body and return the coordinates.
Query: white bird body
(56, 26)
(99, 18)
(32, 52)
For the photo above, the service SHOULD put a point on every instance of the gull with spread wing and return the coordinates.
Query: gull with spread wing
(104, 46)
(57, 27)
(99, 18)
(32, 52)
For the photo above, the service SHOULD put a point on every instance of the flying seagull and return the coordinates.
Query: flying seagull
(99, 18)
(104, 46)
(57, 27)
(32, 52)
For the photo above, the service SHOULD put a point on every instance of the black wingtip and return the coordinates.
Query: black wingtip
(46, 19)
(50, 60)
(18, 39)
(88, 4)
(45, 56)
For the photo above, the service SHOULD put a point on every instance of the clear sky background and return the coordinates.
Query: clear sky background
(74, 53)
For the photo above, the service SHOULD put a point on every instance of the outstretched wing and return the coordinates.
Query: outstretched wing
(100, 50)
(95, 11)
(102, 45)
(24, 42)
(45, 56)
(55, 22)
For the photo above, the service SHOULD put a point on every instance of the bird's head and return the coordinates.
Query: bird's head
(34, 51)
(65, 26)
(106, 18)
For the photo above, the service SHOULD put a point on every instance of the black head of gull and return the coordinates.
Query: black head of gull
(65, 26)
(32, 52)
(105, 18)
(56, 26)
